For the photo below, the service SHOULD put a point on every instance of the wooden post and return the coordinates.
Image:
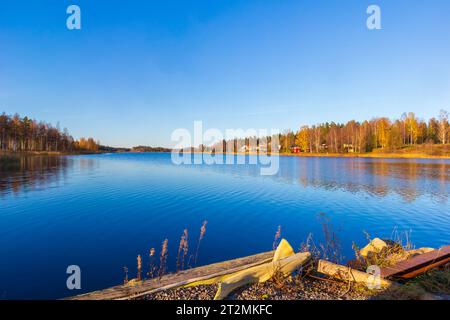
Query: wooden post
(348, 274)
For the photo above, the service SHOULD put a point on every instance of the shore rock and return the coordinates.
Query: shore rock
(375, 246)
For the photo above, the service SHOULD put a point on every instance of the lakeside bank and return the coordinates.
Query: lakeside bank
(376, 155)
(282, 274)
(343, 155)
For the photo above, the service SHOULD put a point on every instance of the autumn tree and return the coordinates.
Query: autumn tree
(302, 138)
(443, 126)
(24, 134)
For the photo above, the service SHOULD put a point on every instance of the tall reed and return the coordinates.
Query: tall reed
(125, 270)
(276, 240)
(151, 263)
(183, 249)
(202, 234)
(163, 258)
(332, 248)
(139, 268)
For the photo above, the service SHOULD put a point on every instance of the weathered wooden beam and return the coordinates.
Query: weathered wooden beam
(417, 265)
(261, 273)
(123, 292)
(348, 274)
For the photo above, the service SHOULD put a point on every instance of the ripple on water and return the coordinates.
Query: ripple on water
(101, 211)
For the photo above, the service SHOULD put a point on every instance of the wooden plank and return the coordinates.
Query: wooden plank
(284, 266)
(123, 292)
(417, 265)
(348, 274)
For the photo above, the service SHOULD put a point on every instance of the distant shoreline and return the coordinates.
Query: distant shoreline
(46, 153)
(370, 155)
(346, 155)
(300, 155)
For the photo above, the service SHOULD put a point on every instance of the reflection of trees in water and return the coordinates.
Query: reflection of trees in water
(409, 179)
(38, 172)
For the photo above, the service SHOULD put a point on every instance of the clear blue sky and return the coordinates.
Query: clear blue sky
(137, 70)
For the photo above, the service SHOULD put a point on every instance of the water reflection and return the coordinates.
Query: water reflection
(39, 172)
(407, 178)
(380, 177)
(100, 210)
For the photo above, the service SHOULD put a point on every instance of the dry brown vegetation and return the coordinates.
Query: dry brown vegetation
(184, 259)
(434, 284)
(398, 246)
(307, 283)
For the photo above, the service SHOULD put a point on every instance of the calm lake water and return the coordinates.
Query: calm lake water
(101, 211)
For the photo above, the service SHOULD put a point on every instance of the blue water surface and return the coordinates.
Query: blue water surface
(100, 211)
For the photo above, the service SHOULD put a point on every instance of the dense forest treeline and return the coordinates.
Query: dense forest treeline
(19, 134)
(353, 137)
(361, 137)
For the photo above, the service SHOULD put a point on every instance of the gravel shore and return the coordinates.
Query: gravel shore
(296, 288)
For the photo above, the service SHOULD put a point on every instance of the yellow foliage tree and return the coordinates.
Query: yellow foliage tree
(302, 138)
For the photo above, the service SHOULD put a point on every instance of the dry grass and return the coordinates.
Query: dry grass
(163, 258)
(151, 263)
(417, 151)
(310, 246)
(183, 249)
(330, 249)
(436, 281)
(277, 238)
(202, 234)
(396, 251)
(159, 270)
(139, 268)
(434, 284)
